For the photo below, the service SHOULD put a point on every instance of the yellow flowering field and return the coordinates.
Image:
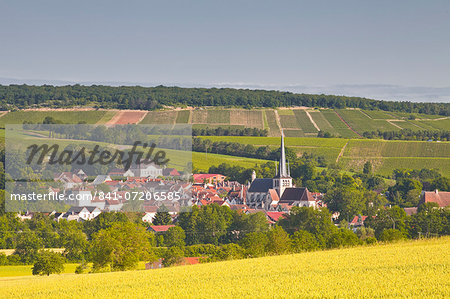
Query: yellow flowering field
(417, 269)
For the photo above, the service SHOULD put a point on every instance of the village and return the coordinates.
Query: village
(148, 188)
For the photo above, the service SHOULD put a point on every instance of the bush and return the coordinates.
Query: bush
(13, 259)
(303, 241)
(173, 256)
(200, 250)
(81, 268)
(3, 259)
(255, 244)
(364, 233)
(48, 262)
(391, 235)
(278, 241)
(343, 238)
(370, 240)
(228, 252)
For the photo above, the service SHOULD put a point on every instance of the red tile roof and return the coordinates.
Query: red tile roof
(161, 228)
(275, 216)
(355, 219)
(439, 197)
(274, 195)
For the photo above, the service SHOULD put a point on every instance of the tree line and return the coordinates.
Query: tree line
(229, 131)
(408, 134)
(149, 98)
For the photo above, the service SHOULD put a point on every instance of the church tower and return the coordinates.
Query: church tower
(283, 179)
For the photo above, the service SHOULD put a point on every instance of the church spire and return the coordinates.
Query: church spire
(283, 170)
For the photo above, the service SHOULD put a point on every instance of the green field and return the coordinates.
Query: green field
(412, 269)
(293, 133)
(160, 117)
(206, 126)
(218, 117)
(305, 141)
(406, 124)
(385, 148)
(285, 112)
(289, 122)
(323, 124)
(72, 117)
(385, 166)
(304, 122)
(183, 117)
(203, 161)
(106, 117)
(338, 124)
(385, 155)
(362, 123)
(295, 120)
(25, 270)
(443, 124)
(327, 147)
(274, 130)
(378, 114)
(389, 155)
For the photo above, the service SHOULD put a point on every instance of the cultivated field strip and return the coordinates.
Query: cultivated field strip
(274, 129)
(413, 269)
(125, 117)
(160, 117)
(69, 116)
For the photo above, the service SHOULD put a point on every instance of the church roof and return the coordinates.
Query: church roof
(261, 185)
(291, 195)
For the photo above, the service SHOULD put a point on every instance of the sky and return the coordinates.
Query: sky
(382, 49)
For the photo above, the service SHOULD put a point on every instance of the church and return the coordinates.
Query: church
(277, 193)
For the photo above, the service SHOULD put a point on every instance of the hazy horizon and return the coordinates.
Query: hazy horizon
(370, 91)
(391, 50)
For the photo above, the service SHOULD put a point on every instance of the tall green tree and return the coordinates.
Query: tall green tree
(162, 216)
(47, 263)
(174, 236)
(119, 247)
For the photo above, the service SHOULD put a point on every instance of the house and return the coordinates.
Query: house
(70, 180)
(101, 178)
(26, 216)
(84, 213)
(439, 197)
(410, 211)
(358, 221)
(150, 212)
(159, 228)
(146, 170)
(81, 174)
(208, 178)
(298, 197)
(170, 172)
(273, 217)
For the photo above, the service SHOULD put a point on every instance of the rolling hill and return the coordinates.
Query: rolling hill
(296, 122)
(393, 270)
(300, 125)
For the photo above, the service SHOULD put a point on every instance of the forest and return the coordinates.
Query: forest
(150, 98)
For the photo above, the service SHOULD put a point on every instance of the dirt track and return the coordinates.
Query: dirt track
(124, 117)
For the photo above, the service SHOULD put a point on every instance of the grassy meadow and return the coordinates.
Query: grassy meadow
(415, 269)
